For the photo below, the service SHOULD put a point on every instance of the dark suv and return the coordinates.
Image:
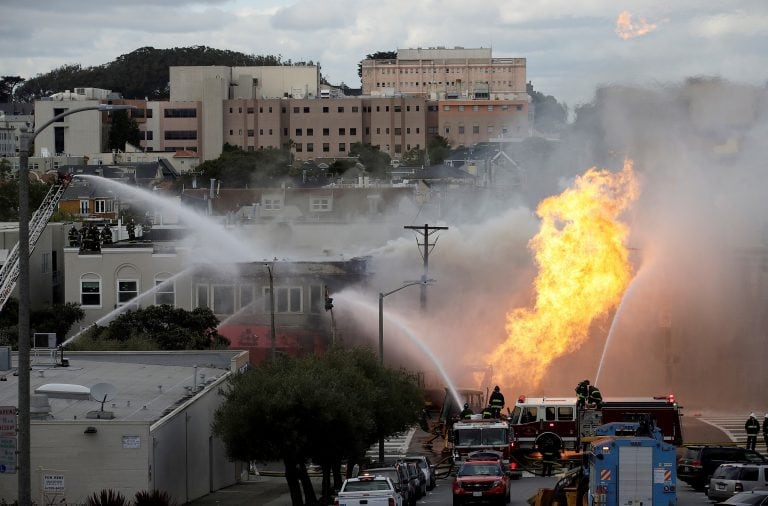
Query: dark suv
(699, 462)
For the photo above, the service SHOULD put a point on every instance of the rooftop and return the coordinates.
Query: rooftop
(147, 385)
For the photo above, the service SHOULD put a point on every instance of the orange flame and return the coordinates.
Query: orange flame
(583, 271)
(628, 28)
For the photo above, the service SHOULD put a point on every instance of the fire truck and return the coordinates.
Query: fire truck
(480, 434)
(538, 422)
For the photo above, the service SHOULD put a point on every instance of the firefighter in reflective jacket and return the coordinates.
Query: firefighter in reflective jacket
(496, 402)
(488, 412)
(582, 392)
(466, 412)
(594, 396)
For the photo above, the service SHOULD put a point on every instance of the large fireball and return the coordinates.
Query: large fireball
(583, 270)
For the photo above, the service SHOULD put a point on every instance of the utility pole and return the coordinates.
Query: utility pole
(427, 246)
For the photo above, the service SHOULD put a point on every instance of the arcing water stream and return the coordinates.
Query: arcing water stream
(358, 300)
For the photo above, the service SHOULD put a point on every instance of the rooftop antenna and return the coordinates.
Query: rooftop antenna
(102, 392)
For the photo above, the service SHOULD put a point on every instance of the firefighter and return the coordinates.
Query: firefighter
(582, 392)
(549, 455)
(594, 396)
(496, 402)
(752, 426)
(488, 412)
(765, 429)
(467, 412)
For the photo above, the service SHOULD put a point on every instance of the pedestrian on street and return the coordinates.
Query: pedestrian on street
(549, 455)
(752, 426)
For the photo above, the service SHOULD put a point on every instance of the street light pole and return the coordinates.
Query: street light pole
(272, 336)
(423, 282)
(24, 460)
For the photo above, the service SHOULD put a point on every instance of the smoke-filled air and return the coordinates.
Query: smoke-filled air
(646, 220)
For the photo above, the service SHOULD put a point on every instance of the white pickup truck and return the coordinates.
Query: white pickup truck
(368, 491)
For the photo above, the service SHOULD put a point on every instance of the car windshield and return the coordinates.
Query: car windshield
(389, 473)
(495, 436)
(726, 473)
(480, 470)
(752, 456)
(367, 486)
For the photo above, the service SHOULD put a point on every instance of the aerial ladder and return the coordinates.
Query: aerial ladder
(9, 272)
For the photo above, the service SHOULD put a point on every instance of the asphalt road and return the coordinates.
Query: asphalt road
(272, 490)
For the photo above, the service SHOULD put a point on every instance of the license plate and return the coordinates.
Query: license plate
(720, 486)
(477, 494)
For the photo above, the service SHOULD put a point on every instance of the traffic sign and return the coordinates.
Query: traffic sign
(8, 455)
(8, 421)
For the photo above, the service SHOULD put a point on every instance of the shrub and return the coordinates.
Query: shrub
(153, 498)
(107, 497)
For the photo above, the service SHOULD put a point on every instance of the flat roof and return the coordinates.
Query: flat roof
(148, 385)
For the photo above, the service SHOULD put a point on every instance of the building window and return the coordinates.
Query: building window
(446, 107)
(320, 204)
(83, 206)
(326, 131)
(342, 147)
(519, 107)
(246, 298)
(46, 263)
(342, 131)
(298, 147)
(287, 299)
(340, 108)
(475, 108)
(202, 296)
(475, 129)
(398, 131)
(223, 299)
(295, 110)
(354, 108)
(127, 290)
(398, 108)
(90, 290)
(250, 132)
(316, 299)
(99, 206)
(325, 109)
(326, 147)
(490, 108)
(310, 132)
(271, 204)
(310, 147)
(181, 113)
(165, 290)
(461, 129)
(461, 108)
(188, 135)
(250, 110)
(353, 131)
(306, 110)
(298, 132)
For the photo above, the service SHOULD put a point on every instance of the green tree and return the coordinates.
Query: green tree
(548, 114)
(378, 55)
(9, 198)
(376, 162)
(236, 168)
(438, 149)
(414, 157)
(164, 327)
(8, 85)
(328, 408)
(58, 318)
(123, 129)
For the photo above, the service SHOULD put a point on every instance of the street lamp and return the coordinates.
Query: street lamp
(24, 463)
(422, 282)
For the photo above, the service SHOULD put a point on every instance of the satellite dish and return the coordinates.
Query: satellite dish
(103, 392)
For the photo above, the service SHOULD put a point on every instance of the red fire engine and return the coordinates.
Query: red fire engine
(537, 422)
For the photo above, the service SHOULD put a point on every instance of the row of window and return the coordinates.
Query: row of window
(394, 84)
(448, 70)
(476, 108)
(310, 132)
(220, 298)
(327, 109)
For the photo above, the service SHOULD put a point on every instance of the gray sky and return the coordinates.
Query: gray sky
(571, 46)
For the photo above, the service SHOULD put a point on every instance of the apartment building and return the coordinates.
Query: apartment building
(440, 73)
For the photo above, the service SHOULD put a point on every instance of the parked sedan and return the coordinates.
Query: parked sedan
(751, 498)
(427, 469)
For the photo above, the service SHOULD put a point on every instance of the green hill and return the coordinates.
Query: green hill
(143, 73)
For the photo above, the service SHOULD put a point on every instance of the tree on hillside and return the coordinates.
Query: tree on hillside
(548, 114)
(143, 73)
(57, 318)
(9, 197)
(7, 86)
(122, 130)
(438, 149)
(378, 55)
(376, 162)
(327, 408)
(236, 168)
(166, 327)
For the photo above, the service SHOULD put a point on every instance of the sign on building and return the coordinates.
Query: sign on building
(8, 455)
(53, 482)
(8, 421)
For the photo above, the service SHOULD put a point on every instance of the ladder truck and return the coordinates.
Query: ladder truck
(9, 273)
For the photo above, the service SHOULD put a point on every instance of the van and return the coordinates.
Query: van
(730, 479)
